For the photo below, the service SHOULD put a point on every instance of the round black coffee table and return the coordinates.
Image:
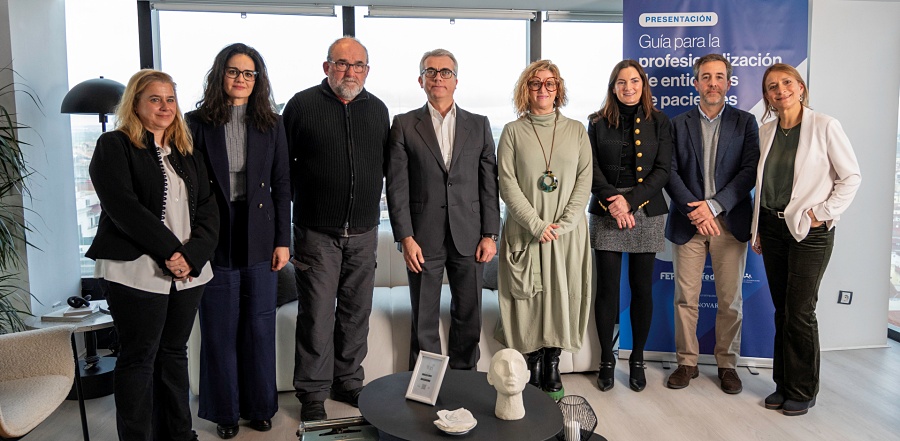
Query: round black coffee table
(383, 404)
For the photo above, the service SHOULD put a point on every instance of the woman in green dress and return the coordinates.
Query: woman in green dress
(544, 275)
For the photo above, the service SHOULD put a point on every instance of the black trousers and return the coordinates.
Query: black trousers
(151, 381)
(466, 279)
(335, 278)
(606, 305)
(795, 270)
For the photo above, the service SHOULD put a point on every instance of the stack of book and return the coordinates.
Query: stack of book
(70, 314)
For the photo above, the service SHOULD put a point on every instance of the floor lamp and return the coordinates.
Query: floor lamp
(98, 96)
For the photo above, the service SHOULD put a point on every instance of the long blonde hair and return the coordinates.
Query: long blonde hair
(521, 98)
(129, 123)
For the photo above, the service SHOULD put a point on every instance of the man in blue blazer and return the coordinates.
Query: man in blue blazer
(444, 209)
(713, 172)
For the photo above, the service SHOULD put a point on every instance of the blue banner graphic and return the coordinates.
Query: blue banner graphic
(666, 38)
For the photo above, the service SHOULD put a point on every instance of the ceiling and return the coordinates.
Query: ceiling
(614, 6)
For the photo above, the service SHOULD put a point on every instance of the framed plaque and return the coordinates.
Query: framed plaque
(427, 377)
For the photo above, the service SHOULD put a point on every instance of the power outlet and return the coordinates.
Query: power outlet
(845, 297)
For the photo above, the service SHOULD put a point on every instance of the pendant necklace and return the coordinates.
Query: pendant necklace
(788, 132)
(547, 182)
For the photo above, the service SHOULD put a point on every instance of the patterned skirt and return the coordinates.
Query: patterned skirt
(647, 236)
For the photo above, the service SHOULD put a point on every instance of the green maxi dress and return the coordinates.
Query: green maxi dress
(544, 289)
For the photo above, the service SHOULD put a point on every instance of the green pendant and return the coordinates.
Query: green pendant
(547, 182)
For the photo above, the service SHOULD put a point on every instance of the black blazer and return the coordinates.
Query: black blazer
(424, 197)
(268, 188)
(130, 184)
(653, 159)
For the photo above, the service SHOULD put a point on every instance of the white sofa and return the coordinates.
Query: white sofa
(389, 328)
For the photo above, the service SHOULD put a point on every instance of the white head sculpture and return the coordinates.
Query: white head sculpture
(509, 375)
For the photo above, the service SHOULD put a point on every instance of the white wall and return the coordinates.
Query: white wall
(37, 45)
(855, 77)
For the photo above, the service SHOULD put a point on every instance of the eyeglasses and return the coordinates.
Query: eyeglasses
(342, 66)
(550, 84)
(432, 73)
(233, 72)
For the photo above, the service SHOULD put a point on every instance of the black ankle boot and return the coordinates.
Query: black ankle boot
(636, 378)
(552, 381)
(535, 361)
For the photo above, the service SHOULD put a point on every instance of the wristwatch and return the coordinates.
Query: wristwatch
(491, 236)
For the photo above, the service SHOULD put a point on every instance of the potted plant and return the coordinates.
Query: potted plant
(13, 228)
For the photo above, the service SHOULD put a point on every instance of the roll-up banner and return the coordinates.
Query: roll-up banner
(666, 38)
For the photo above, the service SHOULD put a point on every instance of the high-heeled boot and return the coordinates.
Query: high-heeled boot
(552, 381)
(535, 361)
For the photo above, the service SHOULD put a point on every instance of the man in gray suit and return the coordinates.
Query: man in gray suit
(442, 199)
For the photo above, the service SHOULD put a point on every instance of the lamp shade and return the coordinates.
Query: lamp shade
(98, 96)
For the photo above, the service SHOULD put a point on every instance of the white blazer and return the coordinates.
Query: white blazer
(826, 173)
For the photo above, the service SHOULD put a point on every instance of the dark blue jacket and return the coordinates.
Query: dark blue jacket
(268, 188)
(737, 155)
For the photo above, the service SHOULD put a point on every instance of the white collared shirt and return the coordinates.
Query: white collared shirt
(445, 130)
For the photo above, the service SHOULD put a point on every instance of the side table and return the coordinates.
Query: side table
(383, 404)
(97, 369)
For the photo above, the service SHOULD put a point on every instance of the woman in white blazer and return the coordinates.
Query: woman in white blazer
(807, 176)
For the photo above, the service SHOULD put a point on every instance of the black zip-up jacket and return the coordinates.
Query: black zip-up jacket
(337, 155)
(652, 161)
(130, 185)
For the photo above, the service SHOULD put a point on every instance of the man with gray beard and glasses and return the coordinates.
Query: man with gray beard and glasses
(337, 137)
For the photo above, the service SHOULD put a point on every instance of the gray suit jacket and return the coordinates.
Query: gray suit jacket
(427, 201)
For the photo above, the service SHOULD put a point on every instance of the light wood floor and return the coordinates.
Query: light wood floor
(859, 400)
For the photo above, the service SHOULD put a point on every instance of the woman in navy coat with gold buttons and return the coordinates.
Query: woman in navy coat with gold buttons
(243, 139)
(632, 143)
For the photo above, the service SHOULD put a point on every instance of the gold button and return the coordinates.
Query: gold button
(260, 205)
(637, 131)
(640, 154)
(640, 169)
(262, 184)
(637, 120)
(640, 180)
(637, 142)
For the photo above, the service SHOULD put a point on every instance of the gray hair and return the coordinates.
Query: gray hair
(712, 57)
(438, 53)
(346, 37)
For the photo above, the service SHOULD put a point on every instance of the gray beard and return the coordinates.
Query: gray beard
(347, 91)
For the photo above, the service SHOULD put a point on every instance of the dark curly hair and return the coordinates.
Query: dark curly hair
(213, 105)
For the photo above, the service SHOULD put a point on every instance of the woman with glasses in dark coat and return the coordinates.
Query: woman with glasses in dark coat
(243, 139)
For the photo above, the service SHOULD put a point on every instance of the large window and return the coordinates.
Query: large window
(585, 54)
(491, 55)
(110, 51)
(293, 47)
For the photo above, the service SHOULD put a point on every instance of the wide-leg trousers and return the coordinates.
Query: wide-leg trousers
(795, 270)
(151, 381)
(237, 349)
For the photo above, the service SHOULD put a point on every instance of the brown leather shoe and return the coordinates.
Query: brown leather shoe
(731, 383)
(681, 378)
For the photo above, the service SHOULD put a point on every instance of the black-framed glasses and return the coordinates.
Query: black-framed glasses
(432, 73)
(550, 84)
(342, 66)
(233, 72)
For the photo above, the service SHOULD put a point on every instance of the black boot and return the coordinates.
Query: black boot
(552, 381)
(535, 361)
